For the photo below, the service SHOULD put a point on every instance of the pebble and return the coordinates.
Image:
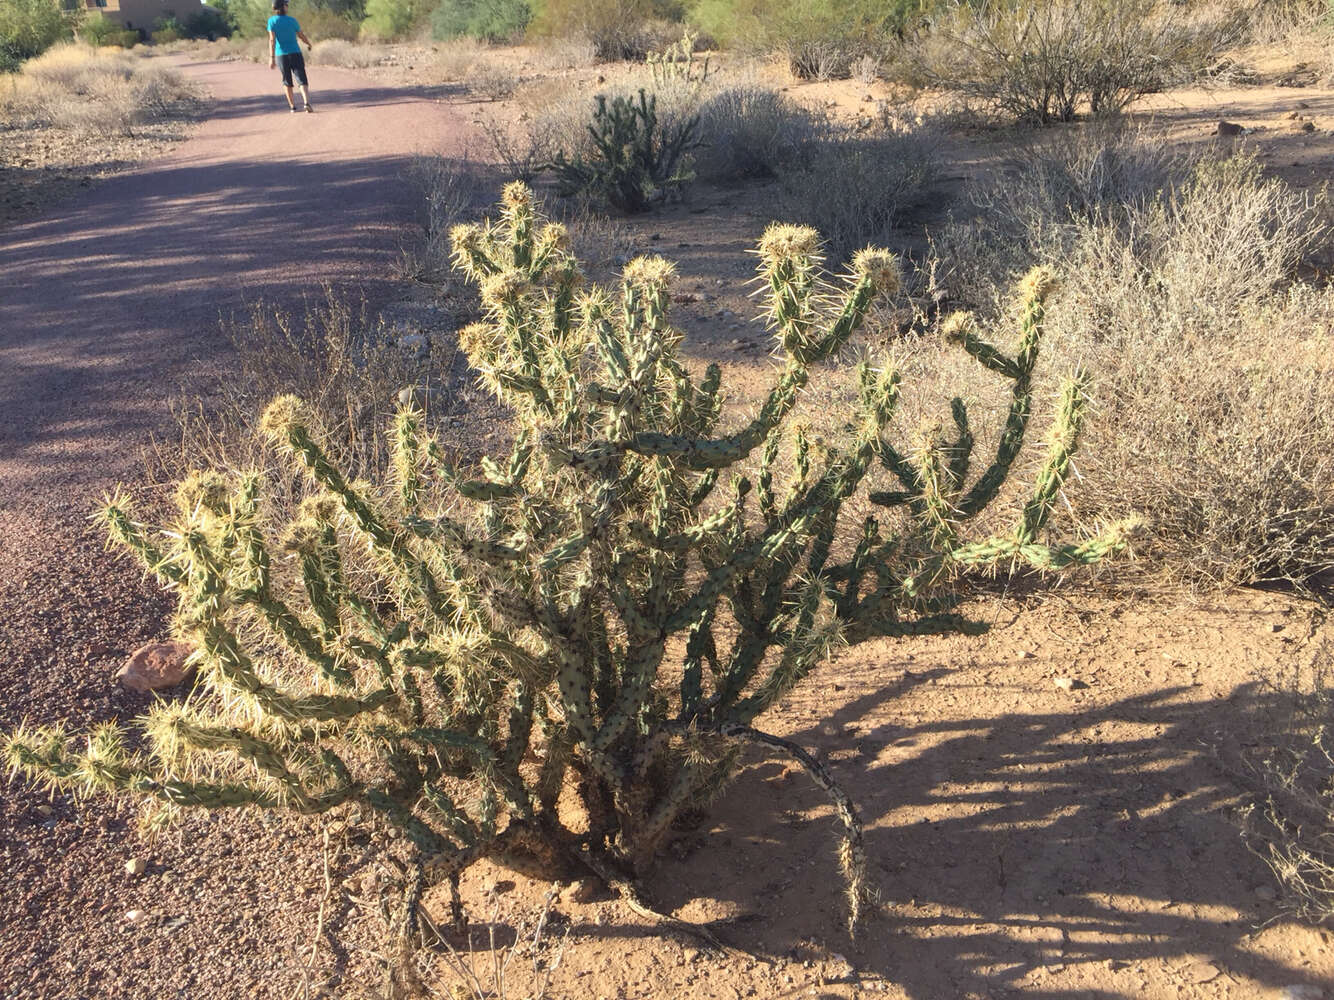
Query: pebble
(1065, 683)
(134, 916)
(1266, 893)
(136, 866)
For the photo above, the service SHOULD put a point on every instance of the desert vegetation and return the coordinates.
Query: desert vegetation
(550, 648)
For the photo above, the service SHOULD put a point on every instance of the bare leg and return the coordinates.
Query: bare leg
(305, 95)
(290, 102)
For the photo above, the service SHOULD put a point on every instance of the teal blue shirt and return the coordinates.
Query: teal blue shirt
(284, 29)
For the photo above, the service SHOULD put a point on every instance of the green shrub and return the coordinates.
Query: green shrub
(618, 29)
(324, 24)
(167, 30)
(491, 20)
(1047, 60)
(605, 613)
(634, 162)
(208, 22)
(820, 38)
(389, 19)
(28, 28)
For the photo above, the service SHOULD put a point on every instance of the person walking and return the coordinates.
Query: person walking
(285, 52)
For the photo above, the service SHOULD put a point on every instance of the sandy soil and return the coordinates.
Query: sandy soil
(1027, 840)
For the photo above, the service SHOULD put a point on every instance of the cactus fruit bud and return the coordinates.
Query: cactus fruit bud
(957, 326)
(280, 417)
(881, 267)
(649, 272)
(782, 242)
(1037, 285)
(503, 289)
(516, 194)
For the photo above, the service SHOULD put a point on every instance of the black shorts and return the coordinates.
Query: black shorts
(293, 63)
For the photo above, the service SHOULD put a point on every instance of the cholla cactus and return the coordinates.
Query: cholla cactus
(608, 609)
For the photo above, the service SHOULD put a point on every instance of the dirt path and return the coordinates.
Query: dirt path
(108, 306)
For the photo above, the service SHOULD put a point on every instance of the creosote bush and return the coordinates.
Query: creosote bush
(605, 612)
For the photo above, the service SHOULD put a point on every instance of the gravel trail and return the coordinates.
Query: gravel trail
(107, 307)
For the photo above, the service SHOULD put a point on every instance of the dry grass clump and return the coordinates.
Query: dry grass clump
(352, 367)
(345, 54)
(92, 91)
(450, 194)
(1210, 357)
(564, 53)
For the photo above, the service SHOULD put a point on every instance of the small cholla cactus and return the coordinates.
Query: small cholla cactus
(607, 610)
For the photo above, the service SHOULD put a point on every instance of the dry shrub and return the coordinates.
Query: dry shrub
(750, 130)
(616, 29)
(492, 79)
(353, 367)
(346, 54)
(1292, 825)
(1048, 60)
(566, 52)
(93, 91)
(1210, 357)
(553, 116)
(450, 193)
(455, 57)
(854, 187)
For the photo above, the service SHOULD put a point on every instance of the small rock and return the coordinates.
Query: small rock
(1024, 654)
(690, 954)
(136, 866)
(1307, 127)
(156, 665)
(1065, 683)
(1229, 128)
(1292, 116)
(1265, 893)
(1301, 991)
(134, 916)
(1202, 972)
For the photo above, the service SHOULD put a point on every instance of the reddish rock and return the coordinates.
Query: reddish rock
(156, 666)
